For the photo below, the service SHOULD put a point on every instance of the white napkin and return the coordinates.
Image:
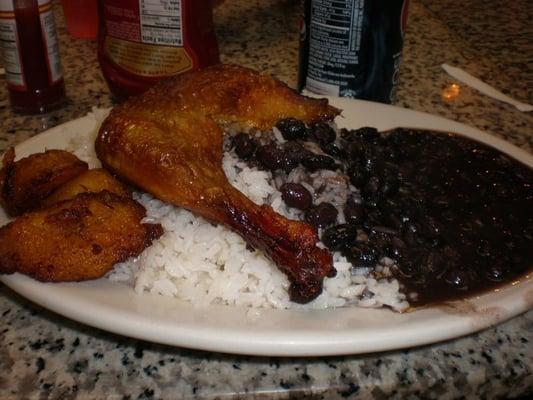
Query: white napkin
(488, 90)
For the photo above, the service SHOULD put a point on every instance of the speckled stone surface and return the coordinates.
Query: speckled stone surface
(43, 355)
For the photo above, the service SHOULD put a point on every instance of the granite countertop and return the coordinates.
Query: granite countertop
(43, 355)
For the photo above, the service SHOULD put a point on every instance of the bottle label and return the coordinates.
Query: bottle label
(48, 28)
(146, 38)
(10, 47)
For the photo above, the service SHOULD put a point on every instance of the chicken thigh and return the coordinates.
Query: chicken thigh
(169, 143)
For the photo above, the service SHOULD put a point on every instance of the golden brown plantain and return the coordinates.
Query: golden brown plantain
(77, 239)
(93, 181)
(169, 143)
(26, 182)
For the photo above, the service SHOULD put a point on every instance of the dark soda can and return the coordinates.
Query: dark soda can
(352, 48)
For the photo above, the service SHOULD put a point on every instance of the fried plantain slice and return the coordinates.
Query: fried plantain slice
(77, 239)
(26, 182)
(93, 181)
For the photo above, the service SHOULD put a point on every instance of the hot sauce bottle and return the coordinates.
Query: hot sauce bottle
(30, 51)
(143, 41)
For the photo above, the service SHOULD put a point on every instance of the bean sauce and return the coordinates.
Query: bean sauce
(455, 214)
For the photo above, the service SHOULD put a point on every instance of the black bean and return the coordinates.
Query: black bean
(363, 254)
(358, 176)
(372, 199)
(391, 218)
(457, 278)
(366, 133)
(381, 238)
(292, 129)
(409, 235)
(323, 133)
(313, 162)
(398, 249)
(497, 270)
(321, 215)
(333, 150)
(369, 134)
(353, 212)
(244, 145)
(435, 262)
(296, 195)
(295, 150)
(419, 255)
(406, 170)
(371, 161)
(484, 249)
(339, 236)
(374, 216)
(383, 230)
(355, 151)
(347, 134)
(270, 156)
(408, 269)
(432, 227)
(372, 186)
(288, 162)
(389, 184)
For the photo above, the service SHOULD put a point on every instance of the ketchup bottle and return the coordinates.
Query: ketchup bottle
(143, 41)
(31, 55)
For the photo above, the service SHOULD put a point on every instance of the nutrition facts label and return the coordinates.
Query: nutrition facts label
(161, 22)
(52, 47)
(146, 38)
(334, 44)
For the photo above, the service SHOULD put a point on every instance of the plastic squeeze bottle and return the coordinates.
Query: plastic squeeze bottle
(143, 41)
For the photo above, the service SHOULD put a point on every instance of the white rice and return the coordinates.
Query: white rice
(204, 264)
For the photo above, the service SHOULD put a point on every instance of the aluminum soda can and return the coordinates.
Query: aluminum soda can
(352, 48)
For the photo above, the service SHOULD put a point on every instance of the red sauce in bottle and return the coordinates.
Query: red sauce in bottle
(31, 55)
(141, 41)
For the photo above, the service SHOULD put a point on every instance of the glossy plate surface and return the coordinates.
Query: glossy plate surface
(116, 308)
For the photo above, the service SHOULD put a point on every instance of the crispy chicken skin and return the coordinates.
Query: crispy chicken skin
(77, 239)
(228, 94)
(92, 181)
(26, 182)
(169, 143)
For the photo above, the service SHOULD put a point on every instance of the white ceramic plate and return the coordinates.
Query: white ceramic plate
(115, 308)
